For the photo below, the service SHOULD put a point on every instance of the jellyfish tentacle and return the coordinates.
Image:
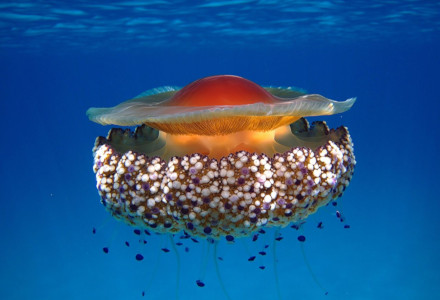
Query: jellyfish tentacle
(103, 224)
(275, 270)
(309, 268)
(217, 270)
(154, 272)
(176, 252)
(205, 260)
(112, 239)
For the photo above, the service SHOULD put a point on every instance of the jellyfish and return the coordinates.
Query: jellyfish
(220, 157)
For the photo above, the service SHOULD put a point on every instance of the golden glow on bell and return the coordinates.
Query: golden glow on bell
(225, 125)
(223, 145)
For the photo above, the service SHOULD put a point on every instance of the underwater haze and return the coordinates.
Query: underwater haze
(58, 58)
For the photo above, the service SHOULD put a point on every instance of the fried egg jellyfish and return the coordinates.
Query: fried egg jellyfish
(220, 158)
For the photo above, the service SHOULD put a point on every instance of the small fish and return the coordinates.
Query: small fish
(279, 238)
(262, 253)
(127, 244)
(94, 230)
(320, 225)
(166, 250)
(262, 267)
(255, 237)
(137, 231)
(139, 257)
(252, 258)
(105, 249)
(200, 283)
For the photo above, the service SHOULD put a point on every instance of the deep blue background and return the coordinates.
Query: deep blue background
(49, 204)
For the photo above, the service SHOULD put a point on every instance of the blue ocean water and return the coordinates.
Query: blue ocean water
(59, 58)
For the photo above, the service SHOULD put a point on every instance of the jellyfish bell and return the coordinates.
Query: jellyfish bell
(220, 157)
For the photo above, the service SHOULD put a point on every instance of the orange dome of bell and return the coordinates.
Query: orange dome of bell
(221, 90)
